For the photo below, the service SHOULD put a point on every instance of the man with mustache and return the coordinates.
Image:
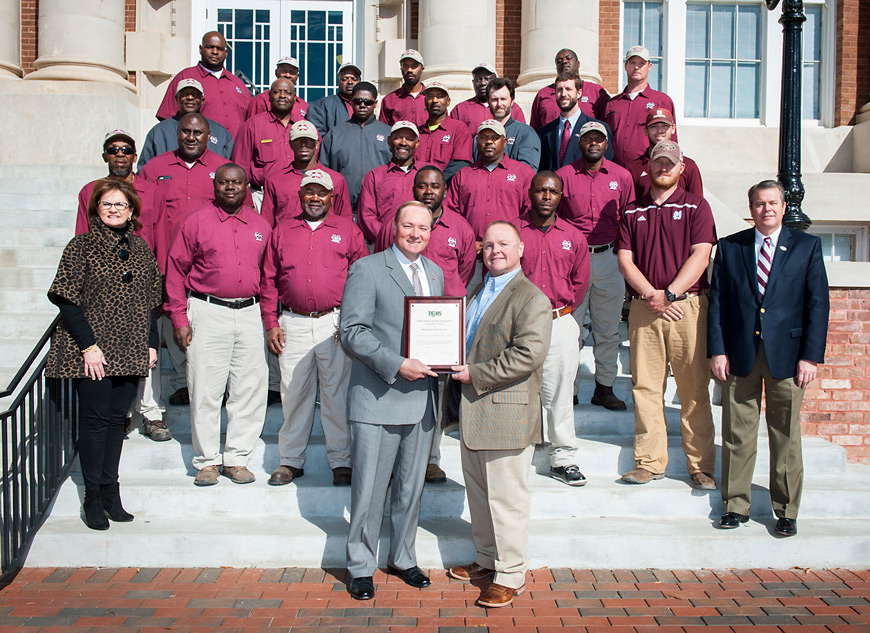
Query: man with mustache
(475, 111)
(521, 142)
(406, 102)
(286, 68)
(545, 107)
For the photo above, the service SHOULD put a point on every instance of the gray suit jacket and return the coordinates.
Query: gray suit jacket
(372, 331)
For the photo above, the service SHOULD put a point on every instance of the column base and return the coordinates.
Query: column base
(10, 71)
(71, 69)
(863, 114)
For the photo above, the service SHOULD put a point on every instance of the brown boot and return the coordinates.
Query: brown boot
(604, 397)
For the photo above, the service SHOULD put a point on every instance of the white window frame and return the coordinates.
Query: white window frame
(860, 231)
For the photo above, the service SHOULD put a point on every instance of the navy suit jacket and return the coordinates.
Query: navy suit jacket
(550, 142)
(793, 317)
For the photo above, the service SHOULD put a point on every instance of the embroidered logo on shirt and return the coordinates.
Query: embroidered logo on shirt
(511, 177)
(239, 90)
(445, 138)
(511, 140)
(584, 99)
(642, 174)
(451, 242)
(650, 105)
(211, 175)
(566, 245)
(336, 238)
(303, 112)
(258, 236)
(380, 137)
(614, 185)
(642, 219)
(678, 214)
(213, 139)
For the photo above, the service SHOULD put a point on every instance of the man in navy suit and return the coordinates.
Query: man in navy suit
(767, 325)
(558, 146)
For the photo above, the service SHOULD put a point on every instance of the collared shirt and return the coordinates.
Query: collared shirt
(690, 179)
(262, 142)
(492, 287)
(449, 141)
(226, 99)
(163, 137)
(556, 260)
(353, 149)
(473, 112)
(328, 112)
(306, 269)
(260, 104)
(217, 254)
(281, 193)
(627, 118)
(405, 263)
(384, 188)
(451, 246)
(545, 108)
(592, 201)
(573, 121)
(401, 105)
(522, 143)
(482, 196)
(661, 236)
(774, 240)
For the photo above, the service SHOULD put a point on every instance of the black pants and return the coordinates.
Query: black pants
(103, 406)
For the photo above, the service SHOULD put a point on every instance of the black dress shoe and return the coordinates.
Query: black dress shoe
(413, 576)
(273, 398)
(786, 527)
(180, 398)
(731, 520)
(361, 588)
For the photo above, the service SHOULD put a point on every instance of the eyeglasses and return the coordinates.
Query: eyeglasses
(126, 150)
(127, 277)
(365, 102)
(120, 206)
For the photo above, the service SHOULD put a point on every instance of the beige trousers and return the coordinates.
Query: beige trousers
(557, 390)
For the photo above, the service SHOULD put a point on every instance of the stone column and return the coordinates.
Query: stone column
(454, 36)
(81, 41)
(550, 25)
(10, 41)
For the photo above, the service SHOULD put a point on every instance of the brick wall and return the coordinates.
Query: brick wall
(130, 25)
(415, 20)
(29, 34)
(508, 37)
(608, 44)
(837, 405)
(852, 74)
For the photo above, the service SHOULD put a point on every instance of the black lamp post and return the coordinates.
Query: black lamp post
(790, 112)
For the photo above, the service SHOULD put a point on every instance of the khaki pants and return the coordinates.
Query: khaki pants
(655, 343)
(226, 351)
(741, 406)
(557, 390)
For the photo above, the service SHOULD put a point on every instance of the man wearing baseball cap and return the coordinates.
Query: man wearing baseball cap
(592, 100)
(626, 112)
(664, 246)
(327, 112)
(475, 111)
(304, 272)
(406, 102)
(163, 137)
(286, 68)
(444, 142)
(522, 142)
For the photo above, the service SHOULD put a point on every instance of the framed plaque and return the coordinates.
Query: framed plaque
(435, 331)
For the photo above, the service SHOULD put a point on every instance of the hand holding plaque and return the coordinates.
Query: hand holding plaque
(435, 331)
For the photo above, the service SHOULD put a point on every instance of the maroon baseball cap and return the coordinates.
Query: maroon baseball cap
(659, 115)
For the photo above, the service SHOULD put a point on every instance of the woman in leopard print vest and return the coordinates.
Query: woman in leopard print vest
(108, 289)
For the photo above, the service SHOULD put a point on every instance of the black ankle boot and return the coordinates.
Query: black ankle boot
(92, 507)
(111, 499)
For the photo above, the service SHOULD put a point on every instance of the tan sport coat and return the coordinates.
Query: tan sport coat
(501, 408)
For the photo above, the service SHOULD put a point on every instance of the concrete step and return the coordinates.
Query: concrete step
(26, 300)
(31, 277)
(31, 255)
(44, 185)
(43, 216)
(28, 325)
(51, 236)
(27, 201)
(74, 173)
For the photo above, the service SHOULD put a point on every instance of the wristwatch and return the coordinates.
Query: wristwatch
(670, 296)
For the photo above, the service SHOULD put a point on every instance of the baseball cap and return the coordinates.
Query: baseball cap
(659, 115)
(290, 61)
(347, 65)
(437, 84)
(189, 83)
(485, 66)
(412, 54)
(637, 51)
(116, 134)
(593, 126)
(668, 149)
(405, 125)
(303, 129)
(317, 177)
(492, 124)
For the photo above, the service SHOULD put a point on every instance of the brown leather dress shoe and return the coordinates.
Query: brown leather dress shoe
(435, 475)
(469, 572)
(180, 398)
(207, 476)
(341, 476)
(499, 596)
(239, 474)
(703, 481)
(283, 475)
(640, 476)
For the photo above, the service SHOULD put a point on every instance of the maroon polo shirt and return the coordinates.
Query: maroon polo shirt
(306, 269)
(627, 120)
(473, 112)
(690, 179)
(281, 194)
(262, 142)
(384, 188)
(661, 237)
(260, 104)
(401, 105)
(217, 254)
(226, 99)
(482, 197)
(593, 201)
(451, 246)
(449, 141)
(555, 260)
(545, 108)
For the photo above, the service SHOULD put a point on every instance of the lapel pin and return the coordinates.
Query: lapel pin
(783, 248)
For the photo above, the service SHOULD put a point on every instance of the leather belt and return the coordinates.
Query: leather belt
(602, 248)
(697, 294)
(313, 315)
(232, 305)
(560, 312)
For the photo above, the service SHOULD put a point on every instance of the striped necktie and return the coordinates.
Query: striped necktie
(563, 145)
(764, 262)
(415, 276)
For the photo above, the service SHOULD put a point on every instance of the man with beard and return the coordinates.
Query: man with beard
(592, 100)
(521, 141)
(226, 96)
(213, 288)
(556, 260)
(475, 111)
(281, 193)
(560, 137)
(384, 188)
(286, 68)
(163, 137)
(305, 268)
(664, 245)
(444, 142)
(406, 103)
(119, 153)
(595, 192)
(329, 111)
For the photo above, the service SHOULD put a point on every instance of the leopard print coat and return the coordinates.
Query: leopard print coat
(91, 275)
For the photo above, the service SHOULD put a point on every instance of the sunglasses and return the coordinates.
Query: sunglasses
(126, 150)
(365, 102)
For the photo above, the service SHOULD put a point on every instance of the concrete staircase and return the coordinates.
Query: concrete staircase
(665, 524)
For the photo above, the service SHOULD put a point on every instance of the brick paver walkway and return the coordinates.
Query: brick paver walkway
(315, 601)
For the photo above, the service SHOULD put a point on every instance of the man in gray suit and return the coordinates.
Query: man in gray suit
(390, 401)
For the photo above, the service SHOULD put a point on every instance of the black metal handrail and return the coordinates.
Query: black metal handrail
(37, 446)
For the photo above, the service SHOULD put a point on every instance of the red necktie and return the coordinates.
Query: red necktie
(563, 145)
(764, 262)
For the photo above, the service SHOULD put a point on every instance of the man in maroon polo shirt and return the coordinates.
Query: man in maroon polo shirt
(444, 142)
(556, 260)
(281, 193)
(475, 111)
(305, 268)
(226, 96)
(595, 192)
(384, 188)
(286, 68)
(664, 245)
(660, 126)
(591, 102)
(626, 112)
(406, 102)
(213, 288)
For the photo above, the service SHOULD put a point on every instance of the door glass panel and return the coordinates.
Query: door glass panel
(249, 44)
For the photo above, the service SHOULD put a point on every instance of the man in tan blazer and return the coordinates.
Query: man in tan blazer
(508, 325)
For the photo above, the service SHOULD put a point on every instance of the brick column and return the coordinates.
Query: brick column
(10, 50)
